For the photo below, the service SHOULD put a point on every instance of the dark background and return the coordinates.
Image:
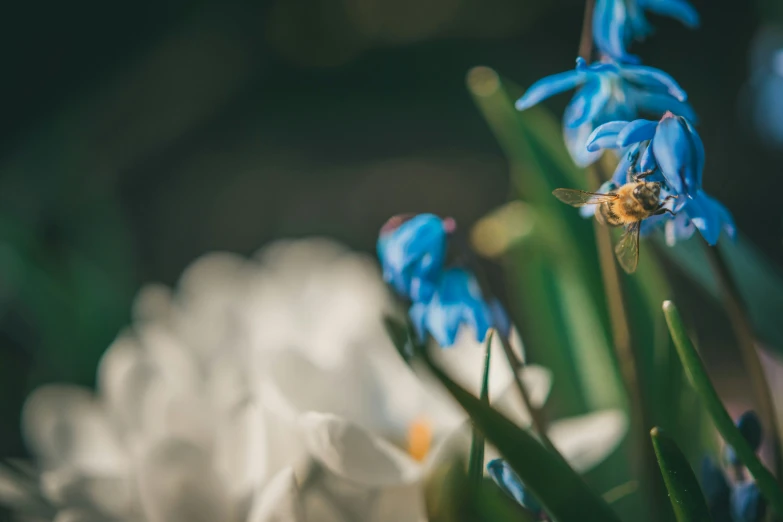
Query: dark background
(135, 137)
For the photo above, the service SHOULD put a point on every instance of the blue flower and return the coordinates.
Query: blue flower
(507, 479)
(716, 490)
(674, 149)
(617, 22)
(606, 92)
(747, 504)
(412, 251)
(750, 427)
(457, 301)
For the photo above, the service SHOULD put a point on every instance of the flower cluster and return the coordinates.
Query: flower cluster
(731, 494)
(412, 250)
(671, 151)
(612, 93)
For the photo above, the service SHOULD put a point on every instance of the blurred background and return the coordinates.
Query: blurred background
(137, 137)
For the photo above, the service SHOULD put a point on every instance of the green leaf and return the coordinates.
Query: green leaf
(697, 375)
(450, 497)
(684, 492)
(400, 336)
(558, 268)
(562, 492)
(476, 463)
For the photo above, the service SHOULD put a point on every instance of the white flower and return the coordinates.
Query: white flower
(267, 389)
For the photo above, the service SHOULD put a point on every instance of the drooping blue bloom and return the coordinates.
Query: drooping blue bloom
(750, 427)
(606, 91)
(412, 251)
(674, 149)
(747, 504)
(456, 302)
(617, 22)
(716, 490)
(507, 479)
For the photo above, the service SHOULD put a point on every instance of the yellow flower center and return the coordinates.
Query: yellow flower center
(419, 439)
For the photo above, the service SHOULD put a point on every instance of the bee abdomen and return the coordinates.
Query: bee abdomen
(606, 215)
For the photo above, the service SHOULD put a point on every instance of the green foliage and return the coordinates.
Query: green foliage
(699, 379)
(684, 491)
(476, 463)
(562, 492)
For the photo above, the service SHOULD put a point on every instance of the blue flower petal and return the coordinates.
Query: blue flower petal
(550, 86)
(627, 159)
(640, 28)
(653, 79)
(412, 254)
(676, 154)
(588, 101)
(418, 316)
(677, 9)
(747, 504)
(709, 217)
(609, 29)
(456, 302)
(507, 479)
(575, 139)
(605, 136)
(657, 103)
(750, 427)
(715, 487)
(636, 131)
(647, 160)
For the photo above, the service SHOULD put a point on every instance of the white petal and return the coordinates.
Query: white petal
(78, 515)
(209, 302)
(65, 425)
(315, 297)
(587, 440)
(279, 501)
(177, 483)
(538, 383)
(328, 497)
(15, 491)
(109, 495)
(401, 503)
(355, 454)
(240, 450)
(123, 375)
(153, 303)
(284, 444)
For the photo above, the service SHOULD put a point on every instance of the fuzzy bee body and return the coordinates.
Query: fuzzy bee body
(630, 203)
(627, 206)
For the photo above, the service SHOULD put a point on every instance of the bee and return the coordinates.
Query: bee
(626, 206)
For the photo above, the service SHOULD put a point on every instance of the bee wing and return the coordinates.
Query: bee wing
(627, 249)
(580, 198)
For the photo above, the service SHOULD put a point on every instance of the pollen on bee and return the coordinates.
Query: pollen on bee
(419, 438)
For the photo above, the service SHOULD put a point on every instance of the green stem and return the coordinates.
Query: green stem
(641, 421)
(514, 363)
(697, 375)
(476, 462)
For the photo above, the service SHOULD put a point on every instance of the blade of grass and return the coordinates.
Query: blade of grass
(684, 492)
(562, 492)
(697, 375)
(476, 462)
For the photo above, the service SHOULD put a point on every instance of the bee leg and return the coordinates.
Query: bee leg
(642, 175)
(663, 210)
(670, 197)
